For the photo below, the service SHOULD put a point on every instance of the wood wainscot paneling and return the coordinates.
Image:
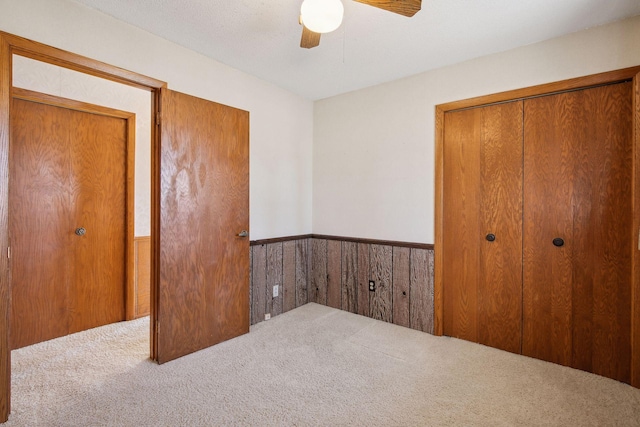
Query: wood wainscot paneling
(336, 271)
(281, 264)
(350, 277)
(275, 261)
(421, 292)
(318, 285)
(402, 278)
(142, 275)
(289, 275)
(401, 285)
(259, 283)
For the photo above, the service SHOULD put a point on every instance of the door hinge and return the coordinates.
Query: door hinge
(158, 118)
(157, 327)
(8, 252)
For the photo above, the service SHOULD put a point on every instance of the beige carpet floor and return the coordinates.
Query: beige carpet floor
(312, 366)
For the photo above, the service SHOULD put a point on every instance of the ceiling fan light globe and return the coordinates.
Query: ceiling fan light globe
(322, 16)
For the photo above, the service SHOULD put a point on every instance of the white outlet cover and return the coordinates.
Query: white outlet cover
(267, 316)
(275, 291)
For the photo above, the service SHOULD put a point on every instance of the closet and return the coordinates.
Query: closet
(537, 227)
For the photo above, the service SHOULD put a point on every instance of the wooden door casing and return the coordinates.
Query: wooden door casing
(14, 45)
(483, 172)
(203, 289)
(578, 186)
(76, 158)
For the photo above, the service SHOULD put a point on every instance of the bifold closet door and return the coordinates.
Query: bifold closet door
(483, 225)
(578, 229)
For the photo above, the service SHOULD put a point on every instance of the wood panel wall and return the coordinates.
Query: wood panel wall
(337, 272)
(282, 264)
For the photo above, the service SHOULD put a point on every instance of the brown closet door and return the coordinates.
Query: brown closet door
(203, 296)
(578, 169)
(67, 171)
(483, 197)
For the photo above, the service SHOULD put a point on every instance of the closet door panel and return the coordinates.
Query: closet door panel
(500, 286)
(578, 187)
(602, 233)
(462, 224)
(483, 175)
(550, 133)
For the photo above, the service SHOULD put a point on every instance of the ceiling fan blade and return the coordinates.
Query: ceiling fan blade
(309, 38)
(402, 7)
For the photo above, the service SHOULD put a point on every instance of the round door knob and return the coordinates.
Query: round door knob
(558, 242)
(491, 237)
(80, 231)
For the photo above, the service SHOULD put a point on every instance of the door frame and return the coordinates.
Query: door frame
(14, 45)
(626, 74)
(129, 184)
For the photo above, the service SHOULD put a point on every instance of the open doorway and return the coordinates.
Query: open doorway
(199, 210)
(41, 77)
(12, 49)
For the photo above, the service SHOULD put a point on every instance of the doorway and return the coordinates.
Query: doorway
(184, 194)
(12, 47)
(87, 90)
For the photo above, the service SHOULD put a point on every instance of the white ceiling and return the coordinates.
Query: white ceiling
(262, 37)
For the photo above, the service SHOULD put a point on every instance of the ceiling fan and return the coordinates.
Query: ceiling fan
(323, 16)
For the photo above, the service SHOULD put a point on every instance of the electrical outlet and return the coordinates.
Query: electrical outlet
(372, 286)
(275, 290)
(267, 316)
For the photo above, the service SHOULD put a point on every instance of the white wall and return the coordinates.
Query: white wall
(372, 150)
(281, 123)
(373, 154)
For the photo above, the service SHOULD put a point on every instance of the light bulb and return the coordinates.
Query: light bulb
(322, 16)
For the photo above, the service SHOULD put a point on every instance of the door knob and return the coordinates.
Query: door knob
(243, 233)
(81, 231)
(558, 242)
(491, 237)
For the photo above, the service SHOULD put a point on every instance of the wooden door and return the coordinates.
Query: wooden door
(98, 147)
(39, 222)
(67, 171)
(483, 225)
(578, 175)
(203, 290)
